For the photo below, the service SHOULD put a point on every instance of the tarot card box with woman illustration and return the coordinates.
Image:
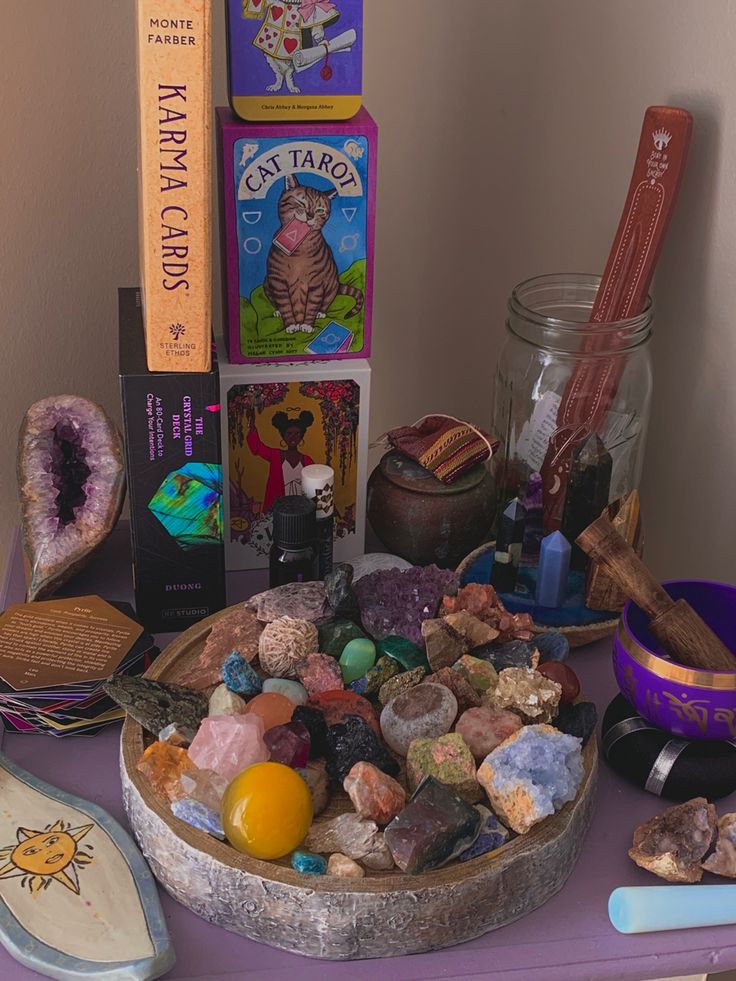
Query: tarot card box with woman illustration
(295, 59)
(278, 419)
(298, 203)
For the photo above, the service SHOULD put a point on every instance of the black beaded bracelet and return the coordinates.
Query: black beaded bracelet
(662, 764)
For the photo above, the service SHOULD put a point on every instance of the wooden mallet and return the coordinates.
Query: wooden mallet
(675, 624)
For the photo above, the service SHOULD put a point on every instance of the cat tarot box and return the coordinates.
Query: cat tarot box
(320, 410)
(295, 59)
(174, 469)
(298, 236)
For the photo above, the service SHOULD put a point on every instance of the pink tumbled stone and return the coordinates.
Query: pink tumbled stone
(229, 744)
(484, 728)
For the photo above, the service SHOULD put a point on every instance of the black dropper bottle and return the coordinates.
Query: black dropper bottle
(294, 553)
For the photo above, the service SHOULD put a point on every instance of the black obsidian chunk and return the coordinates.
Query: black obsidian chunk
(354, 741)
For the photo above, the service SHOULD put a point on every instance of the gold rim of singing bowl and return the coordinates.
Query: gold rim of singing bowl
(662, 668)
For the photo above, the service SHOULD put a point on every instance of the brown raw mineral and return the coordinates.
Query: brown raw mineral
(483, 729)
(353, 836)
(238, 631)
(400, 683)
(344, 867)
(526, 692)
(475, 631)
(672, 844)
(723, 859)
(374, 794)
(444, 644)
(482, 602)
(315, 777)
(467, 697)
(301, 600)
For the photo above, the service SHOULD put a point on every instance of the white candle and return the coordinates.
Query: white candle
(318, 484)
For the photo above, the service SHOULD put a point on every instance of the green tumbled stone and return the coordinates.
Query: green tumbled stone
(357, 659)
(336, 635)
(407, 654)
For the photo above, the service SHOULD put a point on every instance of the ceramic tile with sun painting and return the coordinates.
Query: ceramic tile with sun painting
(76, 897)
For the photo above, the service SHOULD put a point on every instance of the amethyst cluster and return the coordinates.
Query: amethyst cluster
(394, 602)
(71, 483)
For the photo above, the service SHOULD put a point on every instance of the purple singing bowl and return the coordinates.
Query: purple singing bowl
(685, 701)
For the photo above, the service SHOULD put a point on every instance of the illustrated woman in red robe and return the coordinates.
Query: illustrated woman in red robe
(285, 463)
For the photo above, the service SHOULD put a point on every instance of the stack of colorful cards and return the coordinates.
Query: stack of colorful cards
(54, 658)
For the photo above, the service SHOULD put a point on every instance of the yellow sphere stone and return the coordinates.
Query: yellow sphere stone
(267, 810)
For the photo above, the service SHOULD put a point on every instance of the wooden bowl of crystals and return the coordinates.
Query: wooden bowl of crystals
(385, 914)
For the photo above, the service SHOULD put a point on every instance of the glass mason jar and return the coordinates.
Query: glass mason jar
(560, 379)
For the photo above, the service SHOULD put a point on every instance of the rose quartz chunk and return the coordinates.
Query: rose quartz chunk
(484, 728)
(229, 744)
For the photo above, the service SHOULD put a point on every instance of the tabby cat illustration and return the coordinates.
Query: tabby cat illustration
(302, 286)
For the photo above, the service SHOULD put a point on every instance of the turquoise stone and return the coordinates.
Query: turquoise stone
(308, 863)
(357, 659)
(407, 654)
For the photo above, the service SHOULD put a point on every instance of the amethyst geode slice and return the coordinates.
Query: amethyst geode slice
(71, 481)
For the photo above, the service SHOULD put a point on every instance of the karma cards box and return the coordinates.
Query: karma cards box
(321, 410)
(298, 228)
(173, 464)
(295, 59)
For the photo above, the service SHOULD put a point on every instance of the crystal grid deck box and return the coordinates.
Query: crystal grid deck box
(277, 419)
(173, 461)
(298, 203)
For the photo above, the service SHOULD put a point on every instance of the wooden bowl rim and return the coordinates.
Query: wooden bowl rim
(132, 747)
(578, 634)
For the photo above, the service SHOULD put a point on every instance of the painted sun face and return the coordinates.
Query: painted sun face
(41, 856)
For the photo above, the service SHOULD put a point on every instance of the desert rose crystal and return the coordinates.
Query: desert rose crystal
(71, 481)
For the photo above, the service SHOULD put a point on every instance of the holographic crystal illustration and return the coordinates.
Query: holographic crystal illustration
(189, 505)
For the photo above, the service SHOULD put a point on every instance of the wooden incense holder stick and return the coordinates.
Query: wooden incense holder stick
(676, 625)
(590, 390)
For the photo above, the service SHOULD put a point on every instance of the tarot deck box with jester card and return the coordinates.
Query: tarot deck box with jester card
(295, 59)
(299, 204)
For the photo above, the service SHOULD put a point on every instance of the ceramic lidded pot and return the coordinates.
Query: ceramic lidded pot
(424, 520)
(685, 701)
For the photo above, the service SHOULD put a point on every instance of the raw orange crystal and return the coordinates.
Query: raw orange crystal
(374, 794)
(162, 765)
(274, 709)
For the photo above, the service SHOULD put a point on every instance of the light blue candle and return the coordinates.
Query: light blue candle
(554, 566)
(642, 909)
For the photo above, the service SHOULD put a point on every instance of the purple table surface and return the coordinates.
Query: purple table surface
(568, 939)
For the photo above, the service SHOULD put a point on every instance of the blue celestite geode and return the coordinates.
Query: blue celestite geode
(531, 775)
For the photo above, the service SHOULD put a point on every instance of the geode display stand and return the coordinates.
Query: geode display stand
(476, 567)
(382, 915)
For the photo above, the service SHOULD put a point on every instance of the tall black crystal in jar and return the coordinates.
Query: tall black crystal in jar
(571, 409)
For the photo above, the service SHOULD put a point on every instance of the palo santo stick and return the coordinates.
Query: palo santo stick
(676, 625)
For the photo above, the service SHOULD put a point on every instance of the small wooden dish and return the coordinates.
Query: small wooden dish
(383, 915)
(578, 635)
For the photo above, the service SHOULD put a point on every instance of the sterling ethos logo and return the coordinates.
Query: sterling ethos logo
(661, 139)
(182, 587)
(177, 331)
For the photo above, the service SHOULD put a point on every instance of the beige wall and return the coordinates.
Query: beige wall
(508, 133)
